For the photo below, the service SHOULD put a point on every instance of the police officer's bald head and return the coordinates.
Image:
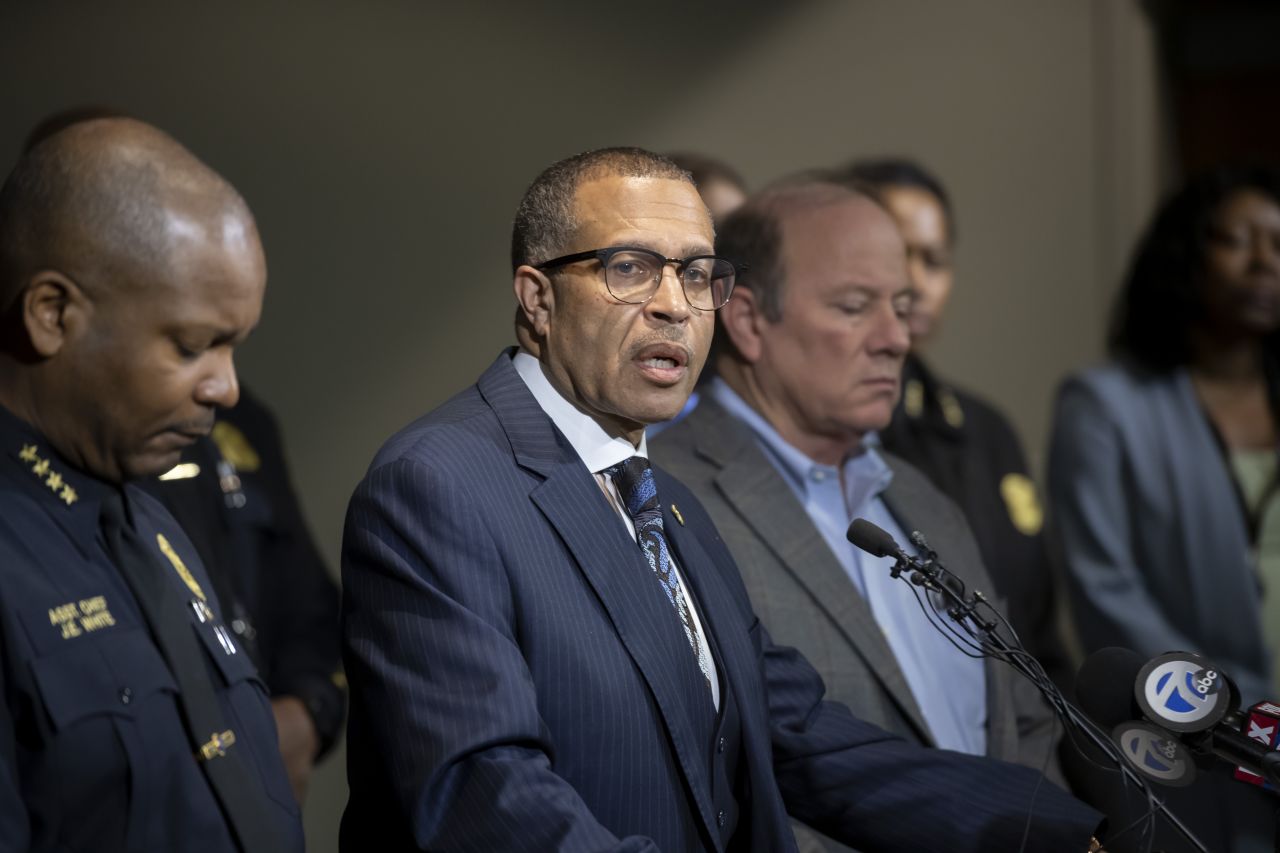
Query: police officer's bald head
(91, 200)
(128, 271)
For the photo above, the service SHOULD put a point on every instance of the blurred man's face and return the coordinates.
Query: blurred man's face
(629, 365)
(830, 366)
(154, 362)
(924, 227)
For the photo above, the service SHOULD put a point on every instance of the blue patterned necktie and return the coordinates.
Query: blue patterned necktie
(634, 481)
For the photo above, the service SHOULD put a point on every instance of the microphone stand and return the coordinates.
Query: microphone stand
(929, 573)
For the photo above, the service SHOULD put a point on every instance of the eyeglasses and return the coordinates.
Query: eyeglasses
(633, 274)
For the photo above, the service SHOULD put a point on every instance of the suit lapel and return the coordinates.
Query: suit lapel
(757, 492)
(610, 561)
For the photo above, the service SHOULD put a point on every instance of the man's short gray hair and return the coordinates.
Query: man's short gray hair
(545, 220)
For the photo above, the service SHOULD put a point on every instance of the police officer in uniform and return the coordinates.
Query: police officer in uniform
(232, 495)
(965, 446)
(132, 718)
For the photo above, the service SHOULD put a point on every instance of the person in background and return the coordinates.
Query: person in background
(960, 441)
(1163, 463)
(722, 188)
(723, 191)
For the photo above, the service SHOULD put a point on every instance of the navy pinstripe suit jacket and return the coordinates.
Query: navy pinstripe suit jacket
(520, 682)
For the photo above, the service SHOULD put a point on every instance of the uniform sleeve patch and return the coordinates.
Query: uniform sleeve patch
(1020, 500)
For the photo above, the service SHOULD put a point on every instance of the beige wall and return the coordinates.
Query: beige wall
(384, 146)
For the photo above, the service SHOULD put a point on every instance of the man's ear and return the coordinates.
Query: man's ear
(52, 307)
(537, 301)
(743, 321)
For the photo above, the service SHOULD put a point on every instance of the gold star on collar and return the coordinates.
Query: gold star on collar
(43, 468)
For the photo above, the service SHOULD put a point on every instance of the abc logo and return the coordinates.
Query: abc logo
(1154, 753)
(1181, 691)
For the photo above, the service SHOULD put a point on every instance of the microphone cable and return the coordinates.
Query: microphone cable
(979, 630)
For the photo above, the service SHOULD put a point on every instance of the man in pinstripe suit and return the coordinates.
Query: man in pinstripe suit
(524, 677)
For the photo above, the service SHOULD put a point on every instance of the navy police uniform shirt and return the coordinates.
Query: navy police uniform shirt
(232, 495)
(94, 754)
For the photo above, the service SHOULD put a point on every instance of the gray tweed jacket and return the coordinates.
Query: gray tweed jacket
(802, 595)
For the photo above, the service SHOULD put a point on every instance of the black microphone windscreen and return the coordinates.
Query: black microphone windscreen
(872, 539)
(1104, 685)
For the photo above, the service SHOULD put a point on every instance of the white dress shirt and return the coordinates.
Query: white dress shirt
(598, 450)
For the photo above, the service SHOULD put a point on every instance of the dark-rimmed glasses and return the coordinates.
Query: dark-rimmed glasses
(633, 274)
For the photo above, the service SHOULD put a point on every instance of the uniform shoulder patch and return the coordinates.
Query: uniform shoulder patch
(1020, 500)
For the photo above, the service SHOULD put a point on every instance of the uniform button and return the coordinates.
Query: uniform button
(720, 745)
(720, 819)
(126, 695)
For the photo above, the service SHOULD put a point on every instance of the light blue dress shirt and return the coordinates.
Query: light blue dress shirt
(949, 686)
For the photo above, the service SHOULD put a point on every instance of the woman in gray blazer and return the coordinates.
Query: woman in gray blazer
(1163, 473)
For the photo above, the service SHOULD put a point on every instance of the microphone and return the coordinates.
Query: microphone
(979, 630)
(1104, 685)
(874, 540)
(1262, 725)
(1178, 691)
(926, 572)
(1181, 693)
(1103, 689)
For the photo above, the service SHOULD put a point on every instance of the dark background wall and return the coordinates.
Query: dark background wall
(384, 145)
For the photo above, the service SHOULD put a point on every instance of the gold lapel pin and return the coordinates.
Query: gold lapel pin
(181, 471)
(675, 510)
(217, 745)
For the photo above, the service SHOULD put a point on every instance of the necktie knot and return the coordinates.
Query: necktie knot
(634, 480)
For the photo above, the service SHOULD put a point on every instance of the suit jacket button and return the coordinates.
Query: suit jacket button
(126, 695)
(720, 745)
(720, 819)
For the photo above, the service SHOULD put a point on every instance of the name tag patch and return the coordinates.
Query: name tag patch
(85, 616)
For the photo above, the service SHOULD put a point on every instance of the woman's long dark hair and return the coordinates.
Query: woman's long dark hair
(1159, 303)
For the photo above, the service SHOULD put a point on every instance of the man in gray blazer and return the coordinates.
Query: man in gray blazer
(782, 453)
